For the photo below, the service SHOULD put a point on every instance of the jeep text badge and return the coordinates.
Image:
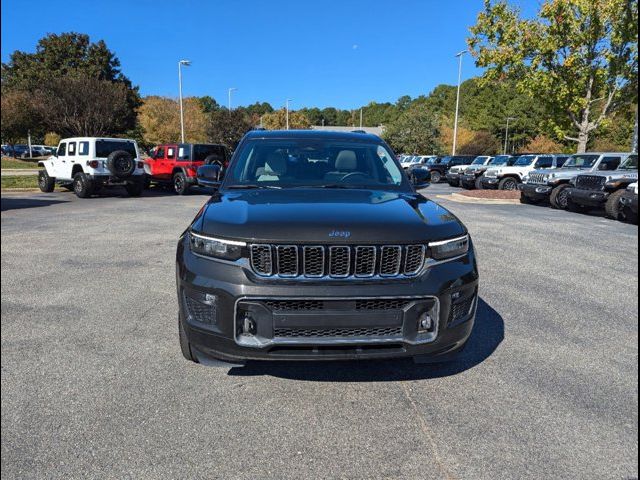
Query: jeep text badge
(340, 234)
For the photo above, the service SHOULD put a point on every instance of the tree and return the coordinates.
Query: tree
(228, 127)
(18, 116)
(542, 144)
(579, 58)
(52, 139)
(159, 118)
(80, 105)
(415, 131)
(278, 120)
(208, 104)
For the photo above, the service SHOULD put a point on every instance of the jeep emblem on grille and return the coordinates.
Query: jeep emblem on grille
(340, 233)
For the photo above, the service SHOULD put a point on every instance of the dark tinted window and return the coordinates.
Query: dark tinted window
(104, 148)
(544, 162)
(610, 163)
(62, 150)
(201, 152)
(560, 161)
(71, 149)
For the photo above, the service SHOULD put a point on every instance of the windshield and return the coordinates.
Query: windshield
(104, 148)
(416, 159)
(581, 161)
(630, 163)
(303, 162)
(500, 160)
(479, 161)
(524, 161)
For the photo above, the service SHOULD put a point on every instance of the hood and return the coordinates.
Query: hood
(508, 170)
(475, 168)
(457, 169)
(326, 216)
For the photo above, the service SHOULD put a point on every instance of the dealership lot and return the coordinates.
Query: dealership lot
(94, 384)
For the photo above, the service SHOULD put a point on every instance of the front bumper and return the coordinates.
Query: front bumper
(468, 180)
(453, 179)
(588, 198)
(338, 319)
(630, 201)
(538, 192)
(490, 182)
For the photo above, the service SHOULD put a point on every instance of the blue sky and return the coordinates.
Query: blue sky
(318, 53)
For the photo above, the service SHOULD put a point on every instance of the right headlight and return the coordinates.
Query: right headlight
(455, 247)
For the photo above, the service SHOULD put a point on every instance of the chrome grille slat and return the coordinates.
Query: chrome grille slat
(538, 178)
(337, 261)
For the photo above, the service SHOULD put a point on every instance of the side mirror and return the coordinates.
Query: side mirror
(420, 177)
(210, 175)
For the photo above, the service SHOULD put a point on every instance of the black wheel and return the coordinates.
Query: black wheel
(82, 185)
(560, 197)
(479, 185)
(121, 164)
(436, 176)
(613, 207)
(180, 185)
(213, 160)
(508, 183)
(45, 182)
(134, 189)
(185, 346)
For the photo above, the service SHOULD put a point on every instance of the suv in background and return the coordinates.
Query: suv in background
(439, 170)
(508, 178)
(177, 164)
(600, 189)
(472, 176)
(454, 173)
(552, 185)
(86, 164)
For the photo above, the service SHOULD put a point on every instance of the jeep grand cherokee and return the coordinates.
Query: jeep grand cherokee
(317, 247)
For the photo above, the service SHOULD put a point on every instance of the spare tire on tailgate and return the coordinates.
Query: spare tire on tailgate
(214, 159)
(121, 164)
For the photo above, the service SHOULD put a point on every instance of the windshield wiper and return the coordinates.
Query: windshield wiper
(252, 186)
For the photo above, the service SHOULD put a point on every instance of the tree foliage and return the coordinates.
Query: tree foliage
(579, 58)
(159, 118)
(228, 127)
(18, 116)
(416, 130)
(278, 120)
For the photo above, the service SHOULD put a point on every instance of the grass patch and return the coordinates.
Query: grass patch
(22, 181)
(8, 162)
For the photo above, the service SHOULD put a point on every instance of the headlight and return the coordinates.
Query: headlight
(215, 247)
(450, 248)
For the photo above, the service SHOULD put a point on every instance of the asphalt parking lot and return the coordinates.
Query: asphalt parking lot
(94, 385)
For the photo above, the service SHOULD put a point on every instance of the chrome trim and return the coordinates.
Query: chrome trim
(304, 260)
(398, 248)
(339, 340)
(375, 261)
(331, 250)
(295, 249)
(221, 240)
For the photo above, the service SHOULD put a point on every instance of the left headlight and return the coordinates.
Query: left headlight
(455, 247)
(215, 247)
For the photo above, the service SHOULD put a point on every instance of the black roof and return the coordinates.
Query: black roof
(311, 134)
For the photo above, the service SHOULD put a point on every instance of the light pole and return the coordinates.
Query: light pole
(506, 134)
(287, 110)
(455, 124)
(360, 119)
(186, 63)
(232, 89)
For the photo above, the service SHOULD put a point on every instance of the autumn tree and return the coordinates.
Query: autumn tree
(228, 127)
(18, 116)
(159, 118)
(278, 120)
(579, 58)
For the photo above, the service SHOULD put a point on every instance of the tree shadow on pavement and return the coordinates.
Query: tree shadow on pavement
(16, 203)
(487, 334)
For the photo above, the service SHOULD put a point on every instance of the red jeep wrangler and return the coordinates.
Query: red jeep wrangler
(176, 164)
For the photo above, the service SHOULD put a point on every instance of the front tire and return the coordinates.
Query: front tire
(180, 185)
(509, 184)
(45, 182)
(436, 177)
(613, 208)
(559, 198)
(82, 185)
(479, 185)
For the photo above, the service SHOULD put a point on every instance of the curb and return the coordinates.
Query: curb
(456, 197)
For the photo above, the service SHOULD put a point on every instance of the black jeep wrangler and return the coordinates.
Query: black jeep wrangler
(317, 246)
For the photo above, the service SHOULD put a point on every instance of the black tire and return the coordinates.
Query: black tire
(213, 160)
(613, 207)
(134, 189)
(121, 164)
(180, 185)
(82, 185)
(45, 182)
(185, 346)
(479, 185)
(508, 183)
(436, 176)
(559, 198)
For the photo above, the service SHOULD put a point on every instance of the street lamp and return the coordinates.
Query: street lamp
(506, 134)
(287, 110)
(186, 63)
(455, 125)
(232, 89)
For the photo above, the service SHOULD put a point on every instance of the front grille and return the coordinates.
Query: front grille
(315, 305)
(337, 261)
(337, 332)
(383, 304)
(590, 182)
(538, 178)
(461, 309)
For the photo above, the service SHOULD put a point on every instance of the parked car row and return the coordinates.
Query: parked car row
(408, 161)
(22, 151)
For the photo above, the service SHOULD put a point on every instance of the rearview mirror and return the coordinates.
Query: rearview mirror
(420, 177)
(210, 175)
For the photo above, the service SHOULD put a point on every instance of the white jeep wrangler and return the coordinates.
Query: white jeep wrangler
(86, 164)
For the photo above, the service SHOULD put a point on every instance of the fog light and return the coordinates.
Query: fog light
(455, 296)
(425, 323)
(248, 326)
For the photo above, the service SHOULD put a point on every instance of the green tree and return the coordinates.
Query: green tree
(278, 121)
(579, 58)
(228, 127)
(415, 131)
(19, 116)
